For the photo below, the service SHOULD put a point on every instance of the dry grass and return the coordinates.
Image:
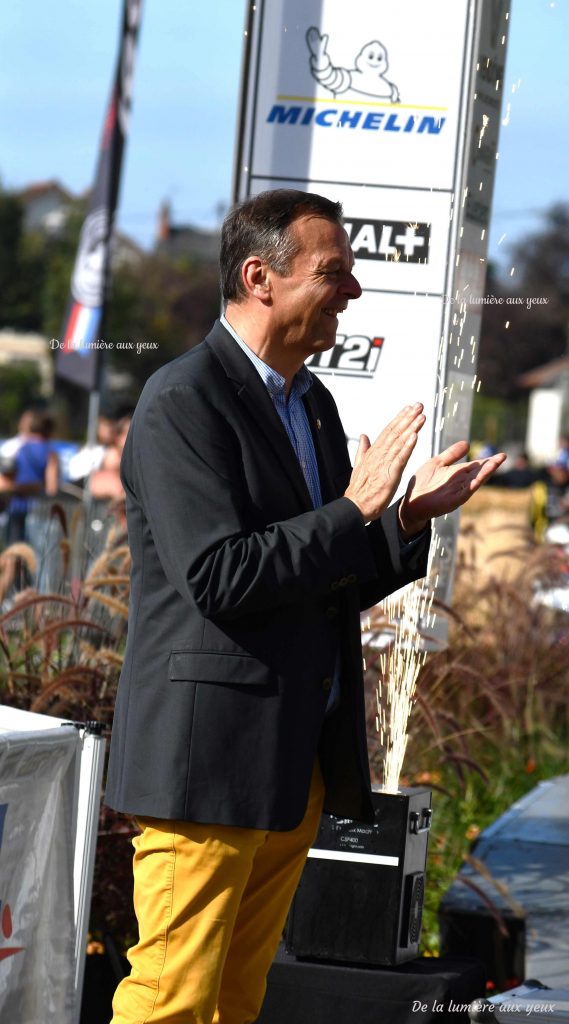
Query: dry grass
(60, 653)
(494, 527)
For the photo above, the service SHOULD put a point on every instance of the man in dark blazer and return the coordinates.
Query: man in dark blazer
(240, 710)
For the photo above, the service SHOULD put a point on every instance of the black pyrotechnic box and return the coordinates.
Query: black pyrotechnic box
(360, 897)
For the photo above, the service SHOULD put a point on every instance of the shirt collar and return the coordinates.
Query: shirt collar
(274, 382)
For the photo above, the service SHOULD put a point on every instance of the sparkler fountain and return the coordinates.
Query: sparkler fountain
(400, 666)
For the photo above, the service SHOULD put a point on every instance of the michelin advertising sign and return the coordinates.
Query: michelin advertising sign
(375, 104)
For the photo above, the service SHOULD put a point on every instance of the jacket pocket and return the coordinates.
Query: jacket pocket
(214, 667)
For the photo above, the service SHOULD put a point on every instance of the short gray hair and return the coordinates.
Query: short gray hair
(260, 226)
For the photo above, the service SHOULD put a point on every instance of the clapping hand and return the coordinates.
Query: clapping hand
(441, 486)
(378, 467)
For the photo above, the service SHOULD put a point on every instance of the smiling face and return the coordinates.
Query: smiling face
(305, 304)
(372, 57)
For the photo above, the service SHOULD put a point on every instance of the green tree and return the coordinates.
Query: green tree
(20, 386)
(11, 216)
(163, 306)
(519, 334)
(22, 269)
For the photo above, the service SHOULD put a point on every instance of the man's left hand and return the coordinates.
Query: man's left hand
(441, 486)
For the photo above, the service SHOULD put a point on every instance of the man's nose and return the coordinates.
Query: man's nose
(350, 287)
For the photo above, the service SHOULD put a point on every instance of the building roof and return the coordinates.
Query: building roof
(41, 188)
(46, 207)
(547, 376)
(190, 241)
(176, 240)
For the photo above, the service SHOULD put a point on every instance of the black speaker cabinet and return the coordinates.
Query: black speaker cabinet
(360, 897)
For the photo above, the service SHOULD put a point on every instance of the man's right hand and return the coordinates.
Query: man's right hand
(378, 467)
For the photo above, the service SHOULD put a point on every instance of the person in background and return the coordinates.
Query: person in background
(557, 504)
(90, 457)
(9, 448)
(486, 450)
(35, 471)
(522, 474)
(562, 457)
(105, 481)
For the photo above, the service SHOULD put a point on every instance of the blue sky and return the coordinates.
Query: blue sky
(55, 74)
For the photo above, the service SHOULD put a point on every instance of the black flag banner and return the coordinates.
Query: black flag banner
(80, 347)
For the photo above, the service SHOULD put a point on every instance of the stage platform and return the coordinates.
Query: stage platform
(422, 990)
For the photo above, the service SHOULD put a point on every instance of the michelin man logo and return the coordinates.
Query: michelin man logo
(367, 77)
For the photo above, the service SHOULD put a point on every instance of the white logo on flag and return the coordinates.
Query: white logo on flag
(87, 282)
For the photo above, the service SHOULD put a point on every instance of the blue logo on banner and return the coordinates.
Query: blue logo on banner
(304, 115)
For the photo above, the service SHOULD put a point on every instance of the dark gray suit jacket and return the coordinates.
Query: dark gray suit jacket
(241, 596)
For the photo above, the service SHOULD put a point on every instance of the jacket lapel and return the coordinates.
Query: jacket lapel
(257, 403)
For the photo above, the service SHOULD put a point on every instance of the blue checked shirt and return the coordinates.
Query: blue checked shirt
(292, 413)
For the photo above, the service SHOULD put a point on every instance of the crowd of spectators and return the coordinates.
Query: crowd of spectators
(34, 466)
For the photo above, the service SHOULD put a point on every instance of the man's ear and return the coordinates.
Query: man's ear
(255, 277)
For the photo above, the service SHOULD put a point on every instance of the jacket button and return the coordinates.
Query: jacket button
(331, 612)
(327, 684)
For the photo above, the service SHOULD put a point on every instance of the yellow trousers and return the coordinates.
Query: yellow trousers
(211, 903)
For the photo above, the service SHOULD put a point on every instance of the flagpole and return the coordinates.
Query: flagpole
(95, 393)
(93, 417)
(79, 356)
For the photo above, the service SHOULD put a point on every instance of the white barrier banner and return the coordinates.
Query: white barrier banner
(37, 930)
